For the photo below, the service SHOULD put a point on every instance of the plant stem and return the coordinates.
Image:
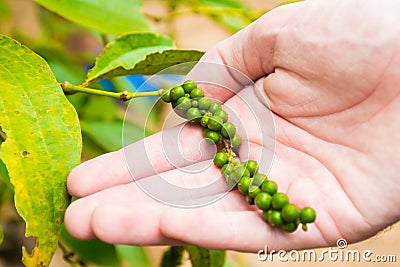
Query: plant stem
(69, 88)
(70, 257)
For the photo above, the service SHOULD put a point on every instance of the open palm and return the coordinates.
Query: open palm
(331, 77)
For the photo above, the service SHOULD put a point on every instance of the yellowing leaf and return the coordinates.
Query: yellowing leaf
(43, 143)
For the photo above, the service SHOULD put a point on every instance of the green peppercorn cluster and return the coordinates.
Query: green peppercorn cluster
(189, 102)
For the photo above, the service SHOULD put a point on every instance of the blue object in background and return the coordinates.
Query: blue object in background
(135, 82)
(107, 85)
(141, 82)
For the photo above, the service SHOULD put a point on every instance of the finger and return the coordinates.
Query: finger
(172, 188)
(78, 215)
(105, 213)
(96, 174)
(129, 224)
(138, 223)
(233, 230)
(245, 57)
(175, 147)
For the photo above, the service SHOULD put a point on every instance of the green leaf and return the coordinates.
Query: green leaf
(140, 53)
(201, 257)
(100, 108)
(108, 135)
(153, 63)
(91, 251)
(133, 256)
(4, 176)
(106, 16)
(172, 257)
(42, 145)
(127, 50)
(90, 149)
(234, 15)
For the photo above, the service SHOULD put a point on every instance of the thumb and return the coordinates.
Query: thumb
(246, 56)
(252, 50)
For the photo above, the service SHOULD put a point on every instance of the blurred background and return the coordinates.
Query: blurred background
(70, 51)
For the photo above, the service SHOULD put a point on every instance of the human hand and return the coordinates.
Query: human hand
(329, 70)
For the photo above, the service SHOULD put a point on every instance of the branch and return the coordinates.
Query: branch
(70, 257)
(69, 88)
